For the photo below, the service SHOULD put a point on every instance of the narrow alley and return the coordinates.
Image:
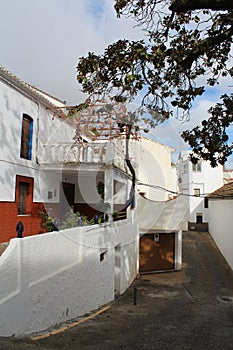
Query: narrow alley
(188, 309)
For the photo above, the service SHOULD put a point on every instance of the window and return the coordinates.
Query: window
(103, 255)
(22, 199)
(197, 192)
(24, 194)
(26, 137)
(50, 194)
(197, 167)
(206, 202)
(199, 218)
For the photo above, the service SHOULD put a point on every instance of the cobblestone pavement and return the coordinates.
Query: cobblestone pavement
(185, 310)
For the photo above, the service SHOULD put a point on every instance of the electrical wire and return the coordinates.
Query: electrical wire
(201, 195)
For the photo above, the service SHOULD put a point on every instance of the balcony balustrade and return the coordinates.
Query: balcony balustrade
(86, 153)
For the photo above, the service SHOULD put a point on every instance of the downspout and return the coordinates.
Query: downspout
(37, 129)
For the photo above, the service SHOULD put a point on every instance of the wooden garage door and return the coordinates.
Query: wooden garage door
(157, 252)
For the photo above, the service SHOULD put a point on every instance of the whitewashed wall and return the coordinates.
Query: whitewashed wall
(207, 181)
(153, 161)
(221, 226)
(46, 128)
(50, 278)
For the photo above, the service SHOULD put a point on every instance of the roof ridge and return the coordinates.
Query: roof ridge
(36, 93)
(225, 191)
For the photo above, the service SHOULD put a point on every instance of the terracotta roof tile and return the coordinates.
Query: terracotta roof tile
(224, 192)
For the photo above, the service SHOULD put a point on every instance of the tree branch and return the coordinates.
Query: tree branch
(180, 6)
(203, 47)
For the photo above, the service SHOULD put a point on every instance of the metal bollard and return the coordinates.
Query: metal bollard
(135, 294)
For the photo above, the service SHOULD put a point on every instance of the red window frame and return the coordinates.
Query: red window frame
(24, 194)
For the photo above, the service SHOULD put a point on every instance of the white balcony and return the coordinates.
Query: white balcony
(96, 153)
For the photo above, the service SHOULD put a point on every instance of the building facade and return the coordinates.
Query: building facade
(196, 181)
(50, 278)
(221, 220)
(43, 168)
(26, 123)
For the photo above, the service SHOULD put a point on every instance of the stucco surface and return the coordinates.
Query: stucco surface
(50, 278)
(220, 226)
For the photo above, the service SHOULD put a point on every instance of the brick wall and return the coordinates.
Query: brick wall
(9, 219)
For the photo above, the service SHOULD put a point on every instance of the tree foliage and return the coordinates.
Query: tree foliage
(210, 141)
(186, 47)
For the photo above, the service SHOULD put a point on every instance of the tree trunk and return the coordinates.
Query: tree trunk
(131, 200)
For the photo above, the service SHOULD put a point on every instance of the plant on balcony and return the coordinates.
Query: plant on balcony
(100, 189)
(94, 131)
(47, 221)
(73, 219)
(115, 215)
(103, 207)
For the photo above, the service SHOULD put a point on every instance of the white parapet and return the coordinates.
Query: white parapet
(50, 278)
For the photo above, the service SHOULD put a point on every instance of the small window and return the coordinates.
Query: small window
(26, 137)
(50, 194)
(24, 194)
(206, 202)
(103, 256)
(199, 218)
(197, 192)
(197, 167)
(185, 167)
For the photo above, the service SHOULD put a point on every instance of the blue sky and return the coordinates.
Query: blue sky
(95, 8)
(41, 41)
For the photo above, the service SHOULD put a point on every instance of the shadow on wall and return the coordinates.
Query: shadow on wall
(195, 226)
(3, 247)
(51, 284)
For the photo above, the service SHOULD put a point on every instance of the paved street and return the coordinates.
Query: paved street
(189, 309)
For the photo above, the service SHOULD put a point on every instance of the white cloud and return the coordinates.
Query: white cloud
(41, 41)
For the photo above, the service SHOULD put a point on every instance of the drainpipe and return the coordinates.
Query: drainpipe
(37, 129)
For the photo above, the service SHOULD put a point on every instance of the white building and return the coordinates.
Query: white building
(221, 220)
(53, 277)
(43, 168)
(227, 175)
(161, 215)
(50, 278)
(156, 175)
(196, 181)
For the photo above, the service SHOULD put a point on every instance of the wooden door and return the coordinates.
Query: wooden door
(157, 252)
(67, 196)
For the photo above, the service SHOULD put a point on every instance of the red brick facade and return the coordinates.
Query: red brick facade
(9, 219)
(9, 214)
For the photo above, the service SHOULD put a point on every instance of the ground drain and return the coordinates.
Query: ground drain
(225, 299)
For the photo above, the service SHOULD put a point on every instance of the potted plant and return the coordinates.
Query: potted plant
(115, 215)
